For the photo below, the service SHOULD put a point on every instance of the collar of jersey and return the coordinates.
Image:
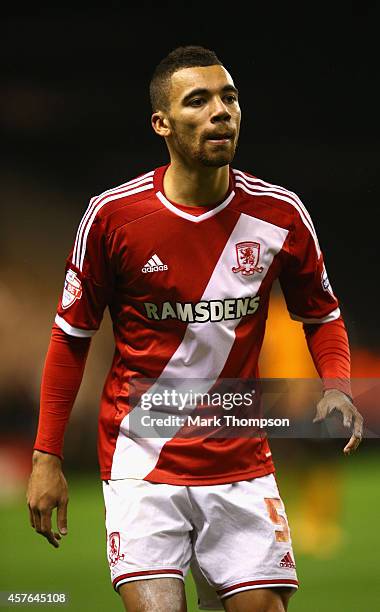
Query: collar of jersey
(158, 184)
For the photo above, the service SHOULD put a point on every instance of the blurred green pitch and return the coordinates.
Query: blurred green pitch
(348, 582)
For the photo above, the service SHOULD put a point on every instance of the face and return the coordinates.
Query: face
(204, 116)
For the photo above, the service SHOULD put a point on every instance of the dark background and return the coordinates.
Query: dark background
(75, 115)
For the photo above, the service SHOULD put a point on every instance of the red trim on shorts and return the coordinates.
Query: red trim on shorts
(279, 581)
(147, 573)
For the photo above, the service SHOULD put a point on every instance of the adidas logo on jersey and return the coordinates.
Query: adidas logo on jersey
(154, 265)
(287, 561)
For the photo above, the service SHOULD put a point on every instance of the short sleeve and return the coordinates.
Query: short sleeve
(88, 280)
(304, 281)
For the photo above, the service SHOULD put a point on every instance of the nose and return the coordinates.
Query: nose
(220, 111)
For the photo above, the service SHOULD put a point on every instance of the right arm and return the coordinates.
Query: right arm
(88, 285)
(61, 379)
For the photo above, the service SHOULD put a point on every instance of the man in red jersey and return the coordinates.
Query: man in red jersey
(185, 256)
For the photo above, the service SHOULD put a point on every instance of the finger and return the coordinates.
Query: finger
(31, 517)
(321, 413)
(45, 520)
(52, 540)
(46, 528)
(318, 415)
(347, 419)
(62, 517)
(358, 426)
(352, 445)
(36, 520)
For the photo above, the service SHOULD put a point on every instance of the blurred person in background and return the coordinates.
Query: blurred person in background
(184, 257)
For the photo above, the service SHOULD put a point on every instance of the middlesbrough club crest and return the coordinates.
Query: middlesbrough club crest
(114, 548)
(248, 256)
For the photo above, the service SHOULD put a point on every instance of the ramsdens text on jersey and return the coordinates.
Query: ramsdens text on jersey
(201, 312)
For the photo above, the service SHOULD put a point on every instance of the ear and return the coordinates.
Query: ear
(161, 124)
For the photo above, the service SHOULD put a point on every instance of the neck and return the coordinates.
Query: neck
(195, 186)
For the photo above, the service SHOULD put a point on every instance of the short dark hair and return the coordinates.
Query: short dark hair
(183, 57)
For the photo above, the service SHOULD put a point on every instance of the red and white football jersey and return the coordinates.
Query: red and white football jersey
(188, 291)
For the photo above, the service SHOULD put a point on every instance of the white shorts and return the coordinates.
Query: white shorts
(235, 536)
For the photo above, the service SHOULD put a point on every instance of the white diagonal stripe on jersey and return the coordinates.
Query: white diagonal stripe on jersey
(129, 185)
(285, 198)
(150, 262)
(115, 196)
(205, 346)
(157, 260)
(264, 186)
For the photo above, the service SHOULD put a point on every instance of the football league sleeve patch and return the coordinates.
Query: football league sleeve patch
(87, 286)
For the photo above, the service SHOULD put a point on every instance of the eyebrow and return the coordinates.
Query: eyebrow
(202, 91)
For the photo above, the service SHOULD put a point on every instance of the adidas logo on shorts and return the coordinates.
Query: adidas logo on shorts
(154, 265)
(287, 561)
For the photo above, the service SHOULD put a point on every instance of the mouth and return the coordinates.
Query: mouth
(220, 138)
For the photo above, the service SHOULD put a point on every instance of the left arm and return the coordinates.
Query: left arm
(311, 300)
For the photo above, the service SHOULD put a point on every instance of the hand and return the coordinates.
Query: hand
(337, 399)
(47, 489)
